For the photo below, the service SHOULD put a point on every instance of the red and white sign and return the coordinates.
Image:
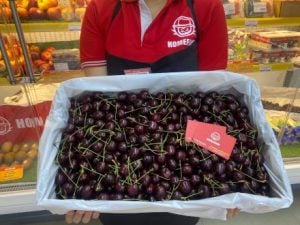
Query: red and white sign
(23, 123)
(211, 137)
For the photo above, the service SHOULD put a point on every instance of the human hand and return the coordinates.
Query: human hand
(78, 216)
(232, 212)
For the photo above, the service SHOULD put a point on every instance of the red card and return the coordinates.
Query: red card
(219, 143)
(190, 129)
(215, 127)
(194, 125)
(212, 137)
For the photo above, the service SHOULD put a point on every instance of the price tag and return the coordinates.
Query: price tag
(229, 9)
(25, 80)
(11, 173)
(265, 68)
(251, 23)
(260, 7)
(74, 27)
(61, 66)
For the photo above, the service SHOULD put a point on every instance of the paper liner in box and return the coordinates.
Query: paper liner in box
(243, 87)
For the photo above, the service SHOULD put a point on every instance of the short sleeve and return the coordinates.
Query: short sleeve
(213, 39)
(92, 38)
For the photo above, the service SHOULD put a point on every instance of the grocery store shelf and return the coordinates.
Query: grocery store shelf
(251, 67)
(51, 77)
(24, 201)
(253, 22)
(45, 26)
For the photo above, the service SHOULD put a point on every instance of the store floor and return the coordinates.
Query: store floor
(290, 216)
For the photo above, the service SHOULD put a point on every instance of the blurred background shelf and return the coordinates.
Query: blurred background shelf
(263, 22)
(45, 26)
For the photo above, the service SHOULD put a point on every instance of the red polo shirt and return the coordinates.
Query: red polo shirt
(122, 37)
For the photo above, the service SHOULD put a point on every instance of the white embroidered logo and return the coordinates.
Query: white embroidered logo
(5, 126)
(183, 26)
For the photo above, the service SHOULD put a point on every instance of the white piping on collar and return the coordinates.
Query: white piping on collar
(146, 17)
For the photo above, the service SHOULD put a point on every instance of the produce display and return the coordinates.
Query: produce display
(17, 154)
(41, 58)
(14, 53)
(32, 10)
(131, 145)
(18, 162)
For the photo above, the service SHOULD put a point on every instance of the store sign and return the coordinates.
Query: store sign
(5, 126)
(23, 123)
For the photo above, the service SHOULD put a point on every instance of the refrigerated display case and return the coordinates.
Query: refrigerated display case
(51, 33)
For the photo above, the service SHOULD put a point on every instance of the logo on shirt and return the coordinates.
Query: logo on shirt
(184, 26)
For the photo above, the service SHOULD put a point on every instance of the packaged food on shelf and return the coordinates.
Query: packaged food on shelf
(231, 8)
(141, 89)
(286, 8)
(275, 39)
(66, 59)
(275, 56)
(257, 8)
(274, 46)
(20, 129)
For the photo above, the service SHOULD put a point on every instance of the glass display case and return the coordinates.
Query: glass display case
(44, 51)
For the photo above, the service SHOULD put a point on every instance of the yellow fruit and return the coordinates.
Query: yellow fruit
(22, 3)
(35, 146)
(27, 163)
(6, 146)
(25, 147)
(32, 153)
(20, 156)
(9, 158)
(16, 148)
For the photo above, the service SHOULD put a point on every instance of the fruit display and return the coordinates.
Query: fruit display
(5, 12)
(41, 58)
(18, 154)
(14, 53)
(131, 145)
(29, 10)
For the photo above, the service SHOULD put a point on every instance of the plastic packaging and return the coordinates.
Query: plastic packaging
(231, 8)
(66, 59)
(258, 8)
